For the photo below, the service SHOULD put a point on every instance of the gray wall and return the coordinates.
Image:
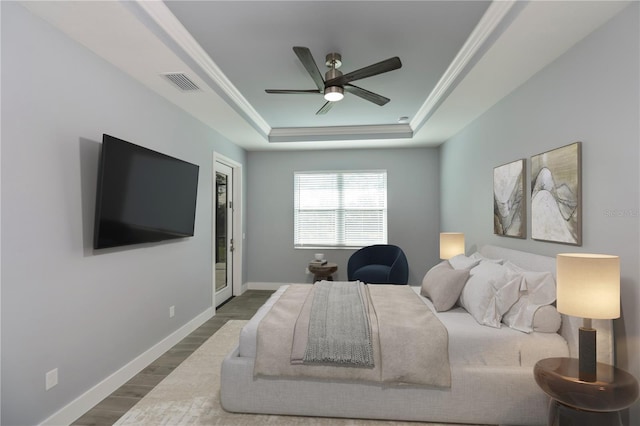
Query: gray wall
(412, 199)
(64, 306)
(590, 94)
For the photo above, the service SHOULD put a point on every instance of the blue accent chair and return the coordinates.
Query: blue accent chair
(379, 264)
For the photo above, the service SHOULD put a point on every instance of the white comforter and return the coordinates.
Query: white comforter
(469, 342)
(409, 342)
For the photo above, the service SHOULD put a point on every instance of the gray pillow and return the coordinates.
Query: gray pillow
(443, 285)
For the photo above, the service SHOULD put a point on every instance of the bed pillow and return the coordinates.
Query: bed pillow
(461, 261)
(443, 284)
(526, 317)
(547, 319)
(489, 292)
(481, 258)
(537, 290)
(539, 286)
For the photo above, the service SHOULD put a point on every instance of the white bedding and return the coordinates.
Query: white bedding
(491, 346)
(492, 382)
(473, 344)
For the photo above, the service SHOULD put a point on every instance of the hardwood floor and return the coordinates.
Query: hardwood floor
(110, 409)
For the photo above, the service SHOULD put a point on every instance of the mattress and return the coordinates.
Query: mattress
(470, 343)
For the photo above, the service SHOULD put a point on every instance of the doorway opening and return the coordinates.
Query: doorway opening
(226, 221)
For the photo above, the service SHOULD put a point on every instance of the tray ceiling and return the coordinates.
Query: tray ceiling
(458, 59)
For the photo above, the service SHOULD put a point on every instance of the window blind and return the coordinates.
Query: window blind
(340, 208)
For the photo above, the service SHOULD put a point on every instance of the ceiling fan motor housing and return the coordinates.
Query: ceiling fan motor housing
(331, 74)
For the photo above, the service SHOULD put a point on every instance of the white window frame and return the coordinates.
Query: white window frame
(368, 224)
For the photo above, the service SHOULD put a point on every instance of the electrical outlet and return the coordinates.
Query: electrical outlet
(51, 379)
(172, 311)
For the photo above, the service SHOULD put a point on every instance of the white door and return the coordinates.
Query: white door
(223, 245)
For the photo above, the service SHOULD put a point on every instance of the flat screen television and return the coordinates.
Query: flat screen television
(142, 195)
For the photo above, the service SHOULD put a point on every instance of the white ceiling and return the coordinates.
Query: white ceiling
(459, 58)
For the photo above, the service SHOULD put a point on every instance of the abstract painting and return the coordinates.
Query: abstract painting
(509, 209)
(556, 195)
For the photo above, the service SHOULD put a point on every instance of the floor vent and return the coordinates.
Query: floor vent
(182, 81)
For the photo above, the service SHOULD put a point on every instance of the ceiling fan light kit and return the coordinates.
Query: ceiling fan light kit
(333, 93)
(335, 83)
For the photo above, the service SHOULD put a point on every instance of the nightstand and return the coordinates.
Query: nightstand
(578, 403)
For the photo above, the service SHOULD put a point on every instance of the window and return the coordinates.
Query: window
(340, 209)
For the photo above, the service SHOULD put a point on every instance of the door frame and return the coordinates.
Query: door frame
(238, 236)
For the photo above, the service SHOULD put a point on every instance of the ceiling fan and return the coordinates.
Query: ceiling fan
(335, 83)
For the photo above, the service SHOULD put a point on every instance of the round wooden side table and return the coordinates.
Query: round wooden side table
(323, 272)
(576, 402)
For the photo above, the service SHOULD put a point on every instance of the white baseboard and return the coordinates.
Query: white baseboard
(266, 286)
(93, 396)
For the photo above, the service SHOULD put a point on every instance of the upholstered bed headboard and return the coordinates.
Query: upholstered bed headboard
(570, 325)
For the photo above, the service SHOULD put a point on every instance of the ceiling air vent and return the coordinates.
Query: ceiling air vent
(182, 81)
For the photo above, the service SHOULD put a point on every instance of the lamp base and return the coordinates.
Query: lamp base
(587, 355)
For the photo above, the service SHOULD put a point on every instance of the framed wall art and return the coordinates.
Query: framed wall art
(509, 206)
(556, 192)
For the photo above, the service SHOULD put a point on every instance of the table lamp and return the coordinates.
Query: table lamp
(588, 286)
(451, 244)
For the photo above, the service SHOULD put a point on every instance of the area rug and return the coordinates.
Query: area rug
(190, 395)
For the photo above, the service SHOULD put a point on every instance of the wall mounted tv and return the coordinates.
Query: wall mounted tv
(142, 195)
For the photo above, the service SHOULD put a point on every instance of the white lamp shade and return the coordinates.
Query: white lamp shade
(588, 285)
(451, 244)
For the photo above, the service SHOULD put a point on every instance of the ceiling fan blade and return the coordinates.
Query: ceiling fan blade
(291, 91)
(375, 69)
(325, 108)
(365, 94)
(304, 54)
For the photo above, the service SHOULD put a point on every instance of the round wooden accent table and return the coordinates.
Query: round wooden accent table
(576, 402)
(323, 272)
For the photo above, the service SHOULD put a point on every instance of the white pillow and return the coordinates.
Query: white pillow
(461, 261)
(540, 286)
(547, 319)
(489, 292)
(526, 317)
(537, 289)
(481, 258)
(443, 284)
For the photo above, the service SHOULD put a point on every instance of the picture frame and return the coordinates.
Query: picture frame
(556, 195)
(509, 200)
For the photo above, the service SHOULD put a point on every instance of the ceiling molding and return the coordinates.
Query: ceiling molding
(161, 14)
(302, 134)
(485, 28)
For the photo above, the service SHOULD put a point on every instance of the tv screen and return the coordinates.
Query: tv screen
(142, 195)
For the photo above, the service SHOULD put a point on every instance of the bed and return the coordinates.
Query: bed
(491, 371)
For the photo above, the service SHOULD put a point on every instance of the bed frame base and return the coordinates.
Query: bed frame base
(477, 395)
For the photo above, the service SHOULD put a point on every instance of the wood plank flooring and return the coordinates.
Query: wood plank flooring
(109, 410)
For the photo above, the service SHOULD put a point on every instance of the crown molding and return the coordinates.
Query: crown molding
(334, 133)
(483, 30)
(163, 16)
